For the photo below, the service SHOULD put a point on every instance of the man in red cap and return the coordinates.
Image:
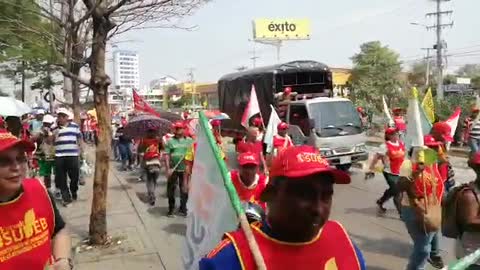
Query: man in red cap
(30, 222)
(247, 181)
(216, 124)
(176, 150)
(258, 123)
(252, 145)
(281, 140)
(399, 120)
(392, 154)
(297, 232)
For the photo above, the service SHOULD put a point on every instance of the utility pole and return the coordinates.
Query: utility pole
(440, 43)
(427, 75)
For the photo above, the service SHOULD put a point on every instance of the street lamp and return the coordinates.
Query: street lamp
(419, 24)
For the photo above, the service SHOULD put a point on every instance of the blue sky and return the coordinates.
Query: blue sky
(221, 41)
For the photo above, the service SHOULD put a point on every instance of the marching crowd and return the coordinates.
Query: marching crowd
(292, 186)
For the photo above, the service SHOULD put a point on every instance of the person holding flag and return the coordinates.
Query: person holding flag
(281, 140)
(248, 183)
(297, 232)
(392, 154)
(258, 123)
(176, 150)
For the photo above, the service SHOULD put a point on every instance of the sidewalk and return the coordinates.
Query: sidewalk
(142, 236)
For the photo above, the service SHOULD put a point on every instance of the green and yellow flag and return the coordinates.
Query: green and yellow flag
(428, 106)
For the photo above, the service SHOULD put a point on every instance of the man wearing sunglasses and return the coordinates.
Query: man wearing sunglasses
(33, 232)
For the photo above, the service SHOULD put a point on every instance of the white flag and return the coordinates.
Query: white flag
(271, 129)
(414, 136)
(211, 213)
(386, 111)
(251, 109)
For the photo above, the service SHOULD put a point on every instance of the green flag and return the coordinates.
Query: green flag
(213, 202)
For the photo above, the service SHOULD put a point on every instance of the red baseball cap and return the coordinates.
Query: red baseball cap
(300, 161)
(248, 158)
(8, 140)
(390, 131)
(178, 124)
(428, 140)
(257, 122)
(443, 129)
(215, 123)
(282, 126)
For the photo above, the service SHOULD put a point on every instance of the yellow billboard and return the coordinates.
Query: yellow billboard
(281, 29)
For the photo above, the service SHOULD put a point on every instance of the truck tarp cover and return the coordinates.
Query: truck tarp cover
(234, 89)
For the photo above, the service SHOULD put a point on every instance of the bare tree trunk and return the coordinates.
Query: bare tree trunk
(100, 82)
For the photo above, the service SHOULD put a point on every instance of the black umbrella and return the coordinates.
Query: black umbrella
(172, 117)
(139, 125)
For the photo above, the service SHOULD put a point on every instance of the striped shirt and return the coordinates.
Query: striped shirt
(67, 140)
(475, 130)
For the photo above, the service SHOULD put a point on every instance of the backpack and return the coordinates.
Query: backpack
(450, 225)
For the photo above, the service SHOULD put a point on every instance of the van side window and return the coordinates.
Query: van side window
(299, 117)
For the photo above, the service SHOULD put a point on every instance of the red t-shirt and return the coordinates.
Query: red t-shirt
(247, 194)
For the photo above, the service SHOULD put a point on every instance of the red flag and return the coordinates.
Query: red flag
(452, 121)
(142, 105)
(251, 109)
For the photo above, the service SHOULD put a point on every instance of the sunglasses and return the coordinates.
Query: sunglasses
(8, 161)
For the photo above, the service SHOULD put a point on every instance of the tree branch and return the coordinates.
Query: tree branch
(83, 81)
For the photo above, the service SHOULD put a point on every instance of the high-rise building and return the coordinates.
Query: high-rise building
(126, 70)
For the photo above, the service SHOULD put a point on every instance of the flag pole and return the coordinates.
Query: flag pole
(232, 193)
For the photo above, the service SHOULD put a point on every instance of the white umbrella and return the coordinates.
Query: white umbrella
(12, 107)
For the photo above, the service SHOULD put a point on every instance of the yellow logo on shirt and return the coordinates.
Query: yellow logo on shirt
(27, 234)
(331, 265)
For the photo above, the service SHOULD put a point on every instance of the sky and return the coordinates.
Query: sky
(220, 43)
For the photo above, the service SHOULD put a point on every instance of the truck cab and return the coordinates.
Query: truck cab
(330, 124)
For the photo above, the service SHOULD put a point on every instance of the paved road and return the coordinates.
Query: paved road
(383, 240)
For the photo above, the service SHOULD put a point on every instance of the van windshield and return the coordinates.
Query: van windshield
(335, 118)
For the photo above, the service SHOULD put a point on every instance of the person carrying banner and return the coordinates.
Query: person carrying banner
(176, 150)
(247, 181)
(281, 140)
(30, 222)
(392, 154)
(297, 232)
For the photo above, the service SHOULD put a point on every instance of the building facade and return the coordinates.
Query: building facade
(126, 72)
